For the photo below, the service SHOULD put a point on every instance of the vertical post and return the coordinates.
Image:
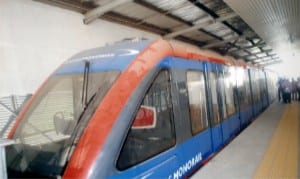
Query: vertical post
(14, 103)
(3, 170)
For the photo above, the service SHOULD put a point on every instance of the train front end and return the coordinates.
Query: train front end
(48, 132)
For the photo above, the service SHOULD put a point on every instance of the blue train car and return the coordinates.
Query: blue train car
(135, 109)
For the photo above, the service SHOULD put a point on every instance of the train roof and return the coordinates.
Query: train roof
(115, 56)
(119, 55)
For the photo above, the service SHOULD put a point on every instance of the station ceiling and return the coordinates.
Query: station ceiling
(210, 24)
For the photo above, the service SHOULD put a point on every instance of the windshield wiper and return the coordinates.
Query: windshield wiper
(85, 103)
(85, 85)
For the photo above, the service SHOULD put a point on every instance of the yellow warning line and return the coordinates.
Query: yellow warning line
(281, 158)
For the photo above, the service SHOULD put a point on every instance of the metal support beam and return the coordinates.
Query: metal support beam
(257, 53)
(268, 61)
(199, 26)
(13, 116)
(183, 31)
(252, 46)
(261, 59)
(213, 14)
(222, 42)
(271, 63)
(8, 109)
(99, 11)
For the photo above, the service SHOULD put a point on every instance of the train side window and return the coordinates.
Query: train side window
(256, 86)
(222, 95)
(197, 101)
(242, 87)
(213, 85)
(230, 82)
(247, 98)
(152, 130)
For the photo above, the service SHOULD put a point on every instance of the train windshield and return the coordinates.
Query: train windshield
(50, 127)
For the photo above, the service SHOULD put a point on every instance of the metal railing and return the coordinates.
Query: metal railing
(10, 107)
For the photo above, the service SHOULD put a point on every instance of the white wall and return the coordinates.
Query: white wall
(290, 65)
(289, 68)
(35, 38)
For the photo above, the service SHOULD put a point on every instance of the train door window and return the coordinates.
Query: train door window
(230, 81)
(241, 87)
(256, 86)
(197, 101)
(152, 130)
(247, 97)
(222, 94)
(263, 85)
(213, 85)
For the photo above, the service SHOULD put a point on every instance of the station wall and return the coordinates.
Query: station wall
(35, 38)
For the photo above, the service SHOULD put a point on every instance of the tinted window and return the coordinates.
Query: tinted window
(255, 85)
(263, 87)
(243, 87)
(230, 81)
(222, 95)
(152, 131)
(213, 86)
(247, 87)
(197, 101)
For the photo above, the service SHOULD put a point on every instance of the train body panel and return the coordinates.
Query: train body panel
(246, 116)
(214, 72)
(218, 136)
(230, 126)
(160, 110)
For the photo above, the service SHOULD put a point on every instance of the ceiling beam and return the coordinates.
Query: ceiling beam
(183, 31)
(270, 60)
(270, 63)
(222, 42)
(252, 46)
(214, 14)
(99, 11)
(257, 53)
(170, 15)
(161, 12)
(200, 25)
(261, 59)
(131, 22)
(68, 4)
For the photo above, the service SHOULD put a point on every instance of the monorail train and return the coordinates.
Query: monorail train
(136, 109)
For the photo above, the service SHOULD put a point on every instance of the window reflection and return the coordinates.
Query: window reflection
(197, 101)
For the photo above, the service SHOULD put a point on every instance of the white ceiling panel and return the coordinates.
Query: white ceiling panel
(180, 8)
(134, 10)
(167, 4)
(198, 35)
(254, 50)
(163, 21)
(276, 21)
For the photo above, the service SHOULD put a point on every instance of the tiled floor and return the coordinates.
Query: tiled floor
(268, 148)
(281, 157)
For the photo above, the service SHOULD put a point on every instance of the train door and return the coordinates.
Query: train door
(244, 96)
(193, 133)
(256, 103)
(264, 89)
(252, 90)
(149, 148)
(201, 140)
(231, 124)
(214, 104)
(271, 86)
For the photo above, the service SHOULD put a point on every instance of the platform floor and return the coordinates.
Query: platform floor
(267, 148)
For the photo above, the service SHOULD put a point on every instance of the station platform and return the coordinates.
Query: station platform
(267, 148)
